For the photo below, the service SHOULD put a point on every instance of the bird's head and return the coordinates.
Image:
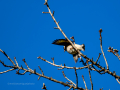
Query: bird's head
(80, 47)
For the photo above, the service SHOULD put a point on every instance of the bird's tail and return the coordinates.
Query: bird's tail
(75, 57)
(83, 47)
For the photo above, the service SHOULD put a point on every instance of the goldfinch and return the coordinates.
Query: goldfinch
(69, 48)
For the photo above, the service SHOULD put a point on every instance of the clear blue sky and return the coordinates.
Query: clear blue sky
(27, 33)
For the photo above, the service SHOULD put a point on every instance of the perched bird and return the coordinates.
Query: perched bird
(69, 48)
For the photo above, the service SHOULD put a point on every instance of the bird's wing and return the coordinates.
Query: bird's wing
(63, 42)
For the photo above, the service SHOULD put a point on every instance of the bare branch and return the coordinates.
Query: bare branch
(118, 80)
(53, 60)
(98, 57)
(45, 12)
(25, 63)
(16, 61)
(100, 31)
(38, 77)
(7, 57)
(62, 67)
(90, 76)
(44, 87)
(68, 79)
(67, 38)
(94, 63)
(7, 70)
(114, 51)
(41, 70)
(17, 72)
(76, 77)
(34, 72)
(102, 71)
(73, 39)
(53, 13)
(6, 65)
(84, 82)
(46, 3)
(70, 88)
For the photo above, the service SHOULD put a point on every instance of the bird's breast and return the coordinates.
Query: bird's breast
(71, 50)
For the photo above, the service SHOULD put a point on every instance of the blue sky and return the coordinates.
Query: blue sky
(27, 33)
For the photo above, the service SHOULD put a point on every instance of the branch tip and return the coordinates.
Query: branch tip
(45, 12)
(56, 28)
(38, 77)
(100, 31)
(53, 13)
(23, 60)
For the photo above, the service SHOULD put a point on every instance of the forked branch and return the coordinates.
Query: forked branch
(14, 67)
(84, 56)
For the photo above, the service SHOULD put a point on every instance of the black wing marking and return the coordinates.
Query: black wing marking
(63, 42)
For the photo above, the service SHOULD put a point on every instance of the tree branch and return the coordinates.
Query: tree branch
(34, 72)
(62, 67)
(100, 31)
(7, 70)
(84, 82)
(7, 57)
(93, 63)
(90, 76)
(44, 87)
(69, 79)
(114, 51)
(76, 77)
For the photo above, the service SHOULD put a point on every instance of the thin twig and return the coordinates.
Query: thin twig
(68, 79)
(25, 63)
(98, 57)
(62, 67)
(16, 61)
(76, 77)
(73, 39)
(70, 88)
(100, 31)
(17, 72)
(38, 77)
(6, 65)
(44, 87)
(114, 51)
(118, 80)
(90, 76)
(84, 82)
(7, 57)
(41, 70)
(102, 71)
(7, 70)
(45, 12)
(53, 60)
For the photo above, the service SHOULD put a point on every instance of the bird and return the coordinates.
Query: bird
(68, 47)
